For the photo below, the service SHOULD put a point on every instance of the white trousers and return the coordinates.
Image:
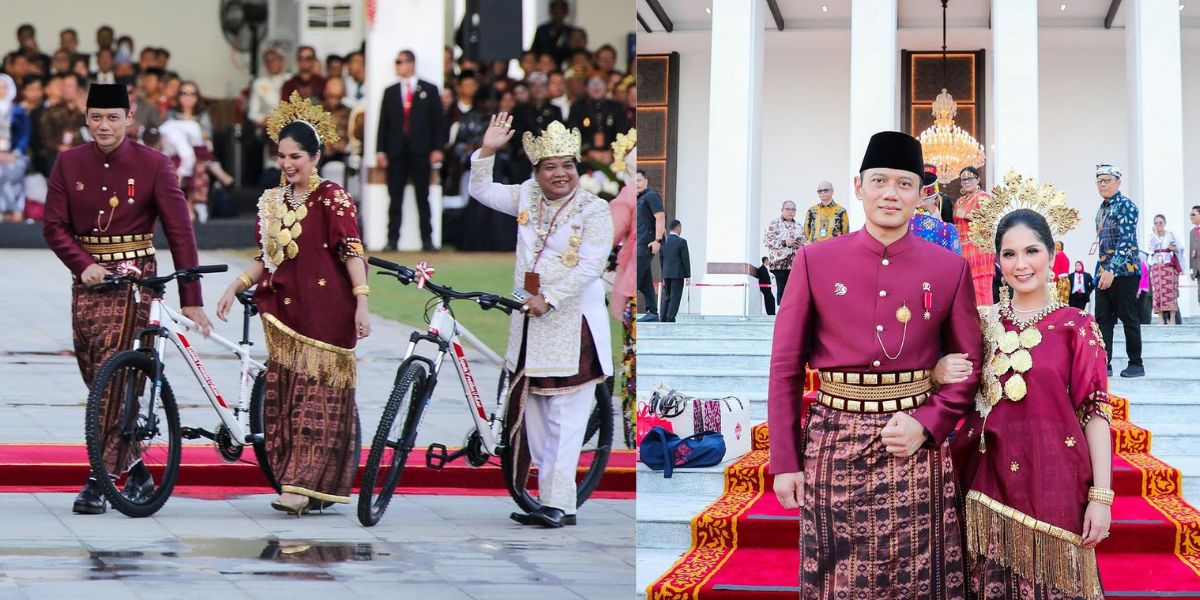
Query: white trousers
(554, 427)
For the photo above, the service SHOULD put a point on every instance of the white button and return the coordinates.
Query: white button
(879, 328)
(876, 363)
(105, 165)
(882, 293)
(886, 262)
(104, 188)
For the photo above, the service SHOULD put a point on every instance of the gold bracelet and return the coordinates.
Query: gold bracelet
(246, 281)
(361, 290)
(1101, 495)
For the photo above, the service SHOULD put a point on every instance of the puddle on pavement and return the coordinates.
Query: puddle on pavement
(273, 551)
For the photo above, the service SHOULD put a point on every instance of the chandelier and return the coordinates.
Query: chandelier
(944, 143)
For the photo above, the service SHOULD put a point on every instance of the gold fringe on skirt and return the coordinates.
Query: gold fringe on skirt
(331, 365)
(1034, 550)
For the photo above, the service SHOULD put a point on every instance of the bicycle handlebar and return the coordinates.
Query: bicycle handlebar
(191, 274)
(406, 276)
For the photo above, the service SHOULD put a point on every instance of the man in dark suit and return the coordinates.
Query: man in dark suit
(412, 132)
(599, 119)
(764, 279)
(552, 36)
(1081, 287)
(676, 270)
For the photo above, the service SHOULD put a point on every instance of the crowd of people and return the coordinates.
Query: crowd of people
(425, 131)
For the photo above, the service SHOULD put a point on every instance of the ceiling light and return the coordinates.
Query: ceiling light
(1062, 7)
(824, 8)
(708, 10)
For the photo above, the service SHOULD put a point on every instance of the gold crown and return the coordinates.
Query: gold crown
(621, 147)
(1016, 193)
(300, 109)
(554, 142)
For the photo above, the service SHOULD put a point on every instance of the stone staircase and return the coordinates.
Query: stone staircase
(720, 356)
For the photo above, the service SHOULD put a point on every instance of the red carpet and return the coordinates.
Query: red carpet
(49, 467)
(745, 546)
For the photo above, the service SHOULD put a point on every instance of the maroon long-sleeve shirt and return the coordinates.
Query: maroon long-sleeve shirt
(85, 178)
(840, 292)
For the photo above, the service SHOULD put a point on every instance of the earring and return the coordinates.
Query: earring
(313, 180)
(1005, 294)
(282, 179)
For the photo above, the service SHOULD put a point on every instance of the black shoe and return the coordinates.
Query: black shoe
(1110, 370)
(649, 318)
(528, 519)
(390, 247)
(1132, 371)
(429, 247)
(549, 517)
(90, 501)
(139, 485)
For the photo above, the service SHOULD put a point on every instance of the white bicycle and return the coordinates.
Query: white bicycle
(141, 404)
(488, 435)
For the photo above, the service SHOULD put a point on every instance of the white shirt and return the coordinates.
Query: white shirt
(355, 92)
(180, 137)
(1077, 286)
(264, 95)
(108, 77)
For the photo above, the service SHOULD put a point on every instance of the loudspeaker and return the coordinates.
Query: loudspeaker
(491, 30)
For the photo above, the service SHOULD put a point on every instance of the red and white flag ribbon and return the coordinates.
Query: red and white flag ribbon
(424, 273)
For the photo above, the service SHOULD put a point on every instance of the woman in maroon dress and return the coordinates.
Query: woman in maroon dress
(1035, 456)
(312, 295)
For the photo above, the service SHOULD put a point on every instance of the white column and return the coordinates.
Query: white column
(399, 25)
(874, 64)
(735, 100)
(1154, 176)
(1015, 85)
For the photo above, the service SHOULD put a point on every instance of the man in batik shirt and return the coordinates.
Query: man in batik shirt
(1118, 268)
(826, 218)
(782, 238)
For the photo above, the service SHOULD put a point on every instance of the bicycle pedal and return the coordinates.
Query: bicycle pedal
(436, 456)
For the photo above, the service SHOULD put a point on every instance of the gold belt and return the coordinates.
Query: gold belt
(118, 247)
(874, 392)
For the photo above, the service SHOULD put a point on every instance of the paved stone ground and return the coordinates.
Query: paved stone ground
(426, 547)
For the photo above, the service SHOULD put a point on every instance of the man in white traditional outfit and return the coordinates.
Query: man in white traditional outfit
(560, 350)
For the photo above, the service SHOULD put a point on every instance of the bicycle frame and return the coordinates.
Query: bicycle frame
(167, 324)
(445, 331)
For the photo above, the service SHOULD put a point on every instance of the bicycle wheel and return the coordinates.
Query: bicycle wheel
(393, 441)
(257, 426)
(597, 444)
(141, 431)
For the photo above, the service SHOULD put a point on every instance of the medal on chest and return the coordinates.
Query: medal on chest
(113, 203)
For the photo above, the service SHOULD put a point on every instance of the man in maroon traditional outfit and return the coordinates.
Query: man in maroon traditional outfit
(103, 200)
(868, 466)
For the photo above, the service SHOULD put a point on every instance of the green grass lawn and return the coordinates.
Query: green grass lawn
(472, 272)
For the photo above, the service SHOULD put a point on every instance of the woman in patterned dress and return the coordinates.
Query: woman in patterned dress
(1164, 273)
(312, 294)
(1035, 457)
(981, 259)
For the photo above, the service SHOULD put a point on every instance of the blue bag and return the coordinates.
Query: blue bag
(662, 450)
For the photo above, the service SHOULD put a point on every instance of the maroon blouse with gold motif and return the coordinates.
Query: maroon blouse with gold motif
(1036, 456)
(310, 293)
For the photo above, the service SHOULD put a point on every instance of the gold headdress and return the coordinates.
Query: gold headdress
(1019, 192)
(300, 109)
(555, 142)
(621, 147)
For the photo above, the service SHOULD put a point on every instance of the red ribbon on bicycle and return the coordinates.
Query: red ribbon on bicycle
(424, 273)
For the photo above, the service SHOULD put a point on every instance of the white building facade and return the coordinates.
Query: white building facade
(775, 97)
